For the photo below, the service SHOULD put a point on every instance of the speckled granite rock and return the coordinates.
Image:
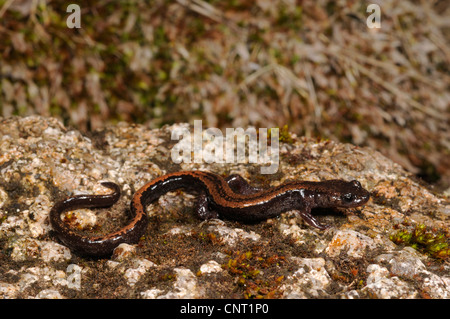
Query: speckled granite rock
(181, 256)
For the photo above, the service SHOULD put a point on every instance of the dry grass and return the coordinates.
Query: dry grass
(314, 65)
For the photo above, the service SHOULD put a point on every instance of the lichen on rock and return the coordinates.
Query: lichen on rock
(41, 162)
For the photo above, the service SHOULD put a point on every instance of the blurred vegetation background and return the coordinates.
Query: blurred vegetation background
(312, 65)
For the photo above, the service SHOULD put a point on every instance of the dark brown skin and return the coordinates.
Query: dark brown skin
(230, 198)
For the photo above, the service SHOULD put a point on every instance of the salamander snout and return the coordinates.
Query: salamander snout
(354, 195)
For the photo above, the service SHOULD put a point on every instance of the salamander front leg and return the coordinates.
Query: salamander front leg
(202, 208)
(311, 220)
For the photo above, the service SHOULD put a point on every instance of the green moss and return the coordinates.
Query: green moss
(290, 20)
(430, 241)
(168, 277)
(248, 267)
(284, 135)
(207, 238)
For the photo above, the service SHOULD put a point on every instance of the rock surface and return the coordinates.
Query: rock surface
(181, 256)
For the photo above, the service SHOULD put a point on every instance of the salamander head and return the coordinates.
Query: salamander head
(339, 193)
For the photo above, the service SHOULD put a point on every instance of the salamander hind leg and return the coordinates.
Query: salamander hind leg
(202, 208)
(239, 185)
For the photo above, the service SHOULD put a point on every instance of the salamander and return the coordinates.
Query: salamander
(230, 198)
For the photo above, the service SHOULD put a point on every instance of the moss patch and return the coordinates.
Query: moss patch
(433, 242)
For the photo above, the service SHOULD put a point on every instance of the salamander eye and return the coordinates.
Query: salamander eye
(348, 197)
